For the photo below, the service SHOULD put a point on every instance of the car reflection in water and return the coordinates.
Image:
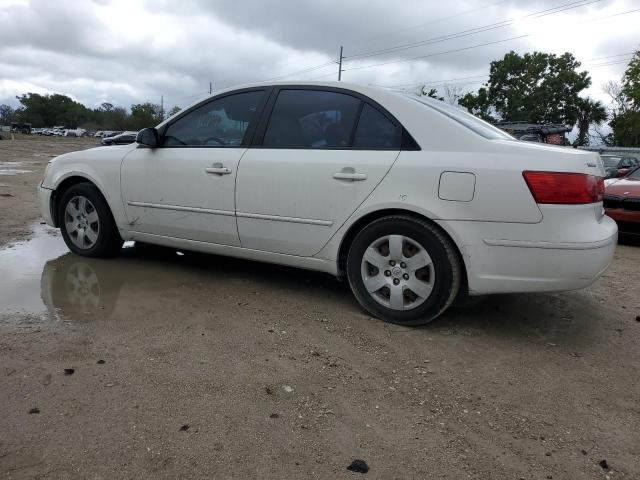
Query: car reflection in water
(84, 289)
(71, 287)
(135, 282)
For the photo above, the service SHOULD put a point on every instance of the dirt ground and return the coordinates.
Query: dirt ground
(22, 163)
(194, 366)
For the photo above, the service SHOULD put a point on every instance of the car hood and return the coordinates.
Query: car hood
(115, 151)
(624, 186)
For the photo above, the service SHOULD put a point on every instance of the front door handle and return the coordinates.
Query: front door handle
(218, 169)
(356, 177)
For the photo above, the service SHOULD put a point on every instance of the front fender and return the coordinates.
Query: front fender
(102, 171)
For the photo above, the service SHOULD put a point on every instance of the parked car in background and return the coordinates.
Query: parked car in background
(410, 199)
(532, 132)
(618, 166)
(120, 139)
(106, 133)
(17, 127)
(622, 201)
(73, 132)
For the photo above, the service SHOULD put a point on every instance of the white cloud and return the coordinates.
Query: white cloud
(127, 51)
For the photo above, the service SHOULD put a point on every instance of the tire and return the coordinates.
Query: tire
(411, 272)
(86, 222)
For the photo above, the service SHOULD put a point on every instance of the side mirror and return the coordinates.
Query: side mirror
(148, 137)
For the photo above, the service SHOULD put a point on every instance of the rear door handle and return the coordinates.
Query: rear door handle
(218, 170)
(356, 177)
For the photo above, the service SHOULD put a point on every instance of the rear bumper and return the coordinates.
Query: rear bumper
(541, 268)
(510, 258)
(44, 200)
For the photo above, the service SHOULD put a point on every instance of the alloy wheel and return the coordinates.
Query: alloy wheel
(81, 222)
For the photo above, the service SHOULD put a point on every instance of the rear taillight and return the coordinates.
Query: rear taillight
(564, 188)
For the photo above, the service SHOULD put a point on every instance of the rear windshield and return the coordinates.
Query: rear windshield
(474, 123)
(610, 161)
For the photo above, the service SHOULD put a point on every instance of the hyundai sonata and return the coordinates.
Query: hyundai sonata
(412, 200)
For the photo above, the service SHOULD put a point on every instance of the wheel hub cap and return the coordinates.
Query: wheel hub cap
(81, 222)
(398, 272)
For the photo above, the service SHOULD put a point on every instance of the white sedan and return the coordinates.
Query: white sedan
(412, 200)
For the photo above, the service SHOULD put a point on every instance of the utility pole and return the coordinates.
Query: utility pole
(210, 88)
(162, 107)
(340, 65)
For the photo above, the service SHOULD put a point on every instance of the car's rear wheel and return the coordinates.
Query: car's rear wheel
(403, 270)
(86, 222)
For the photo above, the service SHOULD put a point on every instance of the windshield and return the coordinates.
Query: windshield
(634, 174)
(610, 162)
(474, 123)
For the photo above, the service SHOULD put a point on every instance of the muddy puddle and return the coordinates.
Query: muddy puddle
(40, 277)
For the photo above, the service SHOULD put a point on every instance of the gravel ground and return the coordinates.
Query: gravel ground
(197, 366)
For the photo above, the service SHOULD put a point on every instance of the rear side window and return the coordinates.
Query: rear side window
(220, 123)
(375, 131)
(473, 123)
(311, 119)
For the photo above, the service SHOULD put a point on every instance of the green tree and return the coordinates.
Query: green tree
(144, 115)
(631, 81)
(625, 122)
(110, 117)
(479, 104)
(50, 110)
(7, 114)
(589, 112)
(625, 129)
(535, 87)
(431, 93)
(174, 110)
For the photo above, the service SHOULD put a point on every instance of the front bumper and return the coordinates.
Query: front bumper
(44, 200)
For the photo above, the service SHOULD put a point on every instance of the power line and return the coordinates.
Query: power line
(439, 53)
(610, 56)
(477, 78)
(432, 82)
(470, 47)
(305, 70)
(320, 66)
(431, 22)
(473, 31)
(606, 64)
(323, 76)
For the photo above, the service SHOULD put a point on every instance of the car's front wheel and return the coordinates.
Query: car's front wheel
(403, 270)
(86, 222)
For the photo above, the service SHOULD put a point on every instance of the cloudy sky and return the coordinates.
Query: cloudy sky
(130, 51)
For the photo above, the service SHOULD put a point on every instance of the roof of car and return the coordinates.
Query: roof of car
(367, 90)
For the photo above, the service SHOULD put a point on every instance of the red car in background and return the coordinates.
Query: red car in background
(622, 201)
(617, 166)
